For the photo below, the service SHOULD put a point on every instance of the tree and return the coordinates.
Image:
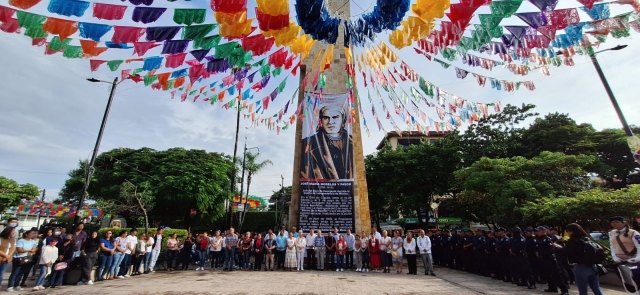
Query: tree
(137, 203)
(498, 186)
(187, 184)
(72, 189)
(11, 192)
(557, 133)
(496, 136)
(253, 167)
(407, 180)
(594, 206)
(617, 167)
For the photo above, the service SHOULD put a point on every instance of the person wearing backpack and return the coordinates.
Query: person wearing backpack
(585, 255)
(625, 243)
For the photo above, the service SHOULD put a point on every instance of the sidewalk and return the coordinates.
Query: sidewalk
(306, 282)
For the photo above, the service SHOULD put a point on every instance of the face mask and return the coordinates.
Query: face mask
(57, 233)
(13, 224)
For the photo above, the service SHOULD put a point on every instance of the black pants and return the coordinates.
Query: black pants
(411, 262)
(331, 260)
(87, 263)
(349, 260)
(522, 270)
(505, 266)
(185, 258)
(482, 263)
(311, 259)
(216, 258)
(280, 257)
(534, 263)
(549, 267)
(259, 256)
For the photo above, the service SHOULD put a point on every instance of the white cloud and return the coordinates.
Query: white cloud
(49, 114)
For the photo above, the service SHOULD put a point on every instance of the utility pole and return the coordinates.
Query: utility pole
(96, 149)
(44, 192)
(235, 155)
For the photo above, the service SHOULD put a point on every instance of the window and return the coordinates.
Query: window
(406, 142)
(432, 141)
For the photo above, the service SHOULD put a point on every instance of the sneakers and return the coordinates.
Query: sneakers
(89, 282)
(341, 269)
(18, 288)
(10, 289)
(120, 277)
(80, 283)
(126, 276)
(358, 270)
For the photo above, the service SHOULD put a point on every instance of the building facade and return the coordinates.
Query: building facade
(408, 138)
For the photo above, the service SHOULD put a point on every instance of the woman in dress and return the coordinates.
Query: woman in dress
(374, 252)
(301, 245)
(258, 252)
(396, 251)
(185, 252)
(290, 260)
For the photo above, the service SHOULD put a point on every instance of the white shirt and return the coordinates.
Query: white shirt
(131, 241)
(150, 242)
(409, 246)
(311, 238)
(49, 254)
(424, 244)
(384, 242)
(378, 236)
(215, 243)
(614, 243)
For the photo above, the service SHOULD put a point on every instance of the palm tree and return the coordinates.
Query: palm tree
(252, 167)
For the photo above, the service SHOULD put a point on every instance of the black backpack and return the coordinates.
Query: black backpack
(593, 252)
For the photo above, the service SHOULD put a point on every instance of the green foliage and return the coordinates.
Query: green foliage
(501, 185)
(178, 180)
(11, 192)
(557, 133)
(72, 189)
(595, 205)
(276, 196)
(259, 221)
(401, 180)
(616, 165)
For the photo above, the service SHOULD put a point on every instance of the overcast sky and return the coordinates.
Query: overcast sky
(50, 116)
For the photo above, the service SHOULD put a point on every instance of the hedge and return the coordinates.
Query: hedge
(182, 233)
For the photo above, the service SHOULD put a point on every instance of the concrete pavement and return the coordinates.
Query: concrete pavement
(306, 282)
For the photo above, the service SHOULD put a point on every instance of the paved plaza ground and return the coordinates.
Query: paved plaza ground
(307, 282)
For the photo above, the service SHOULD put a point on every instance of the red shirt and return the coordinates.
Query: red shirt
(341, 247)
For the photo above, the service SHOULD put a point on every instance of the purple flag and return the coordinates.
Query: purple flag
(147, 14)
(175, 46)
(217, 65)
(160, 34)
(545, 5)
(199, 54)
(533, 19)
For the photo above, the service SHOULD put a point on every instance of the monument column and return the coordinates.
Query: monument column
(336, 83)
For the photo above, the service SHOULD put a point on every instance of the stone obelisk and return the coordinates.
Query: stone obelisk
(336, 78)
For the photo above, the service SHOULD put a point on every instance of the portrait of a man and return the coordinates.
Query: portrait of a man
(328, 154)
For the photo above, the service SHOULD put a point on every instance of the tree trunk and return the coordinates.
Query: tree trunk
(146, 217)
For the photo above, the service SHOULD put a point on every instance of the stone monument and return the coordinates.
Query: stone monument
(336, 78)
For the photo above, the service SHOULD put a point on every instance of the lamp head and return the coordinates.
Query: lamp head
(619, 47)
(93, 80)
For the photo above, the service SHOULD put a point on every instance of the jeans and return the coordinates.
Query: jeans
(587, 276)
(349, 259)
(140, 260)
(58, 275)
(16, 273)
(246, 259)
(365, 259)
(26, 269)
(106, 261)
(340, 261)
(280, 255)
(125, 265)
(154, 259)
(202, 254)
(171, 256)
(3, 269)
(43, 274)
(117, 260)
(229, 255)
(331, 259)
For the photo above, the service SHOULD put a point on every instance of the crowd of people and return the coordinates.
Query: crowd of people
(523, 257)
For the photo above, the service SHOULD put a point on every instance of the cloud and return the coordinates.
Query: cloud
(50, 116)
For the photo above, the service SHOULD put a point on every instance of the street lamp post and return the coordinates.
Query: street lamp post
(92, 162)
(632, 140)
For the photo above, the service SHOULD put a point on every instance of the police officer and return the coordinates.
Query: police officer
(457, 251)
(548, 264)
(493, 264)
(436, 248)
(468, 253)
(447, 248)
(534, 263)
(503, 272)
(480, 255)
(520, 263)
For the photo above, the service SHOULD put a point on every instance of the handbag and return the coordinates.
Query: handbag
(60, 266)
(25, 260)
(601, 269)
(395, 254)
